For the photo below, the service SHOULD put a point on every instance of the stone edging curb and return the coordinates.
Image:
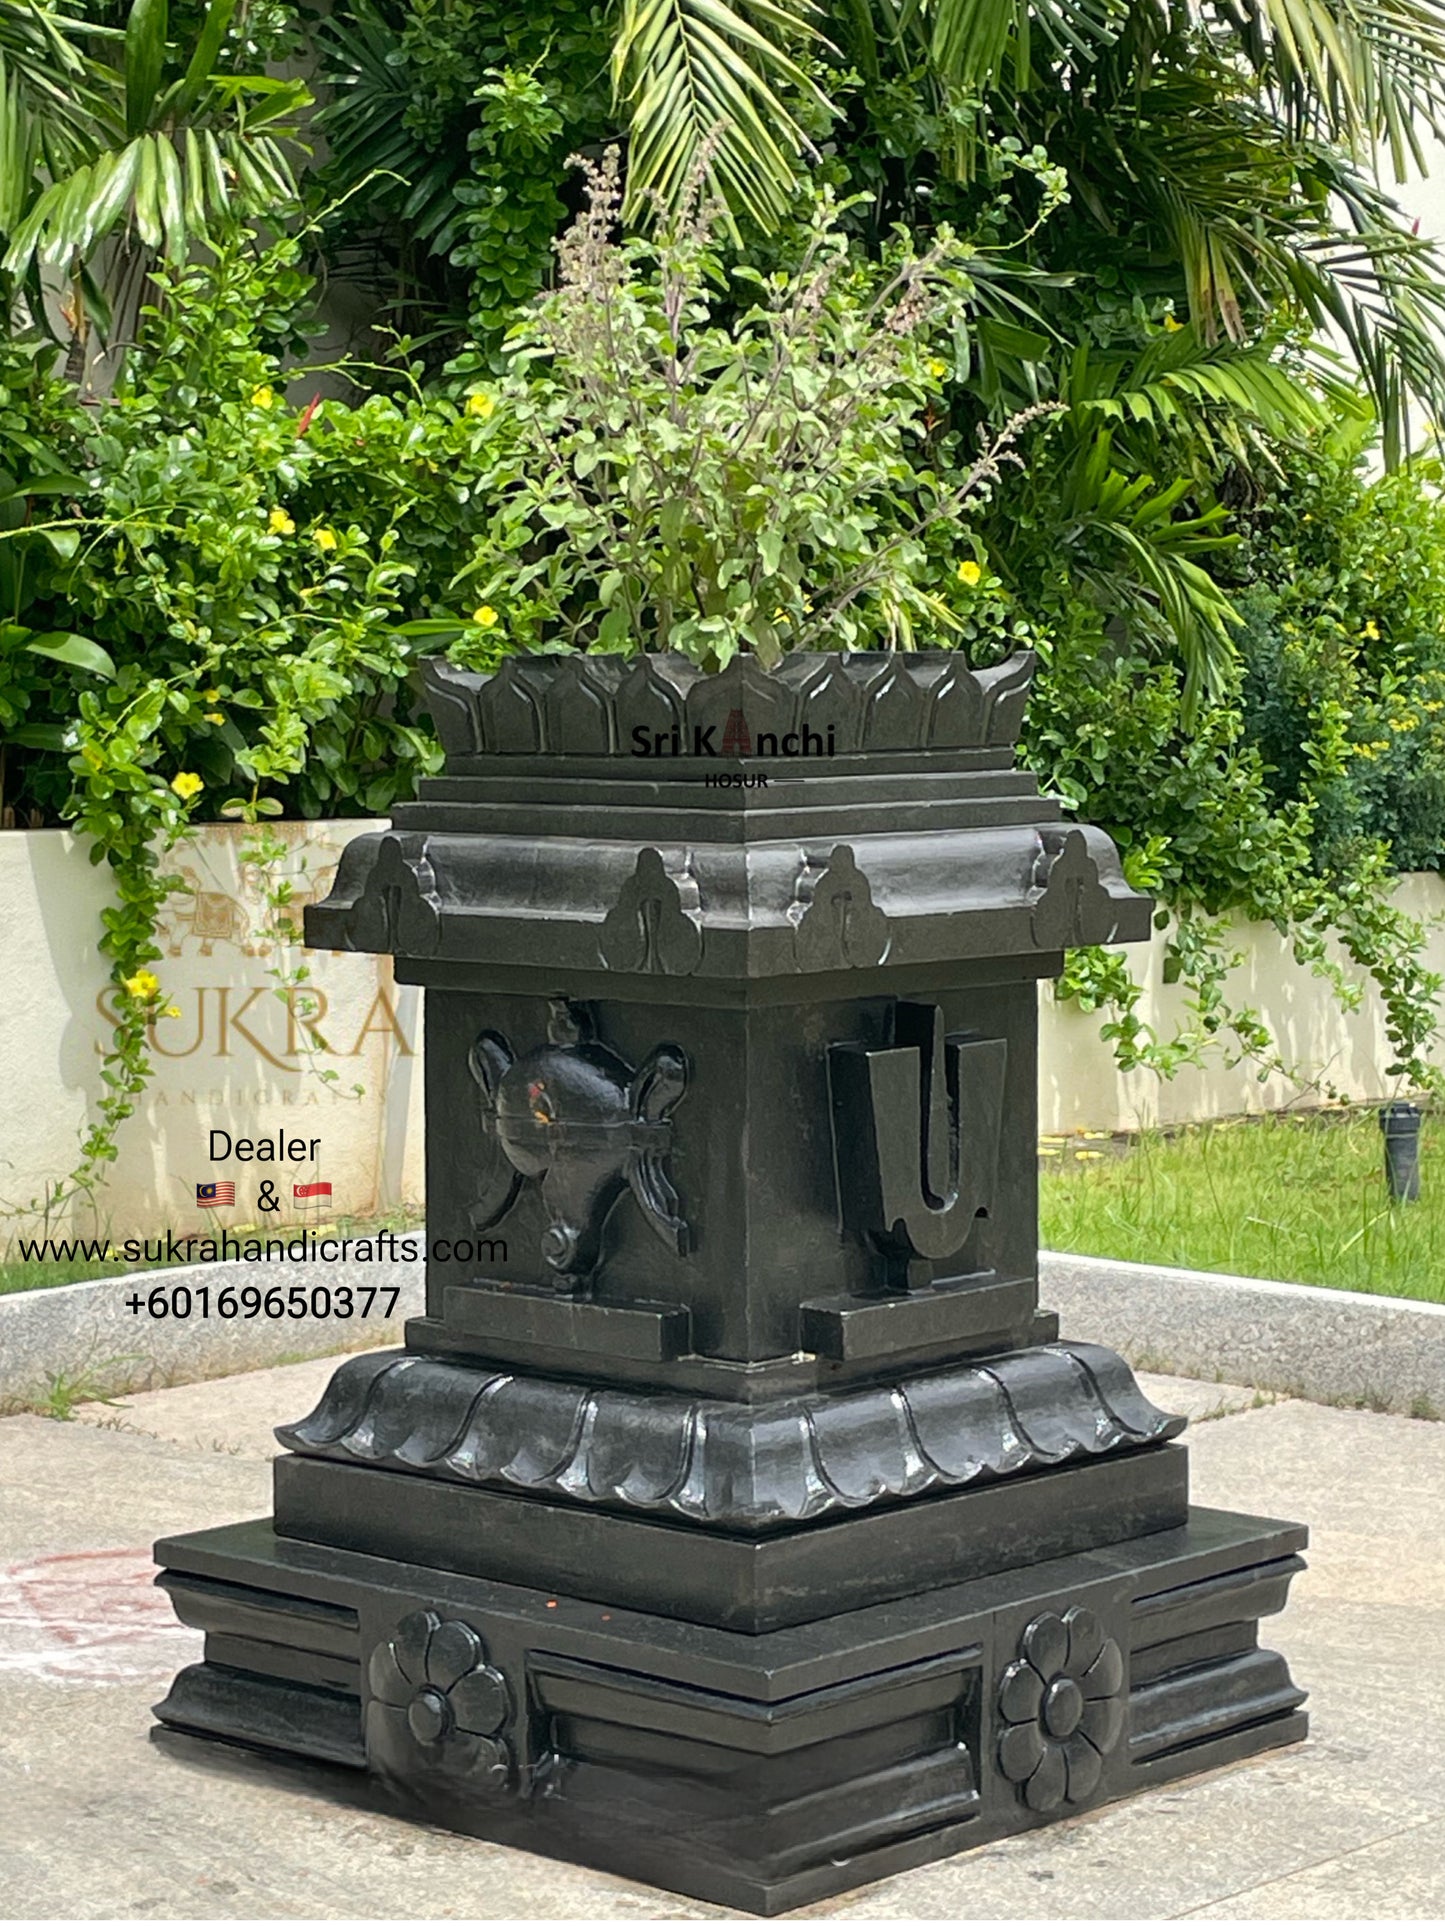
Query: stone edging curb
(74, 1331)
(1335, 1347)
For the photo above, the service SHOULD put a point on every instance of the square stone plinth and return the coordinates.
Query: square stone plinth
(762, 1771)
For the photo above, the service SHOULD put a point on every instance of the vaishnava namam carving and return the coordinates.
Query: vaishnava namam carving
(576, 1119)
(399, 910)
(438, 1708)
(836, 923)
(916, 1134)
(1061, 1709)
(656, 923)
(1068, 895)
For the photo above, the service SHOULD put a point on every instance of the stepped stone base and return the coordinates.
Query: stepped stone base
(742, 1526)
(760, 1770)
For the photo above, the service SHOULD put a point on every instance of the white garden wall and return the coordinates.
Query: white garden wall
(1080, 1089)
(232, 1060)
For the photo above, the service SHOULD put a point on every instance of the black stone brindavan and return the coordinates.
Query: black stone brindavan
(748, 1530)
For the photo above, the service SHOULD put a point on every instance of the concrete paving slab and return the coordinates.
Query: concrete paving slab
(1200, 1402)
(73, 1487)
(1400, 1870)
(236, 1415)
(101, 1822)
(126, 1829)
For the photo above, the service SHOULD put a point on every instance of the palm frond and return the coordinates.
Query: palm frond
(53, 77)
(19, 150)
(170, 187)
(1158, 555)
(165, 159)
(1364, 71)
(1179, 384)
(705, 76)
(971, 42)
(1380, 287)
(1261, 224)
(364, 124)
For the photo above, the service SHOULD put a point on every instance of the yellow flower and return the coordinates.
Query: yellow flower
(970, 574)
(325, 539)
(143, 985)
(263, 396)
(1171, 326)
(173, 1010)
(280, 523)
(938, 369)
(1370, 632)
(187, 785)
(486, 616)
(483, 406)
(210, 695)
(213, 715)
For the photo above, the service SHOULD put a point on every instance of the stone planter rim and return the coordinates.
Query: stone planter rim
(576, 704)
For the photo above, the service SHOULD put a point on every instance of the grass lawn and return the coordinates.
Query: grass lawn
(1300, 1198)
(27, 1275)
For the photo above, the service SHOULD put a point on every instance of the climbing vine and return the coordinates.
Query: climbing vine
(265, 852)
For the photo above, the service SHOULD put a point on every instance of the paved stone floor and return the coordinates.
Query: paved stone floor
(95, 1822)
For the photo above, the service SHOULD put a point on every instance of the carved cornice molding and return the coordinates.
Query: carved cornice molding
(736, 1467)
(580, 705)
(718, 909)
(914, 852)
(1069, 893)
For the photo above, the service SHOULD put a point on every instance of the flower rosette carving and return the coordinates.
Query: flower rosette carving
(1061, 1709)
(438, 1708)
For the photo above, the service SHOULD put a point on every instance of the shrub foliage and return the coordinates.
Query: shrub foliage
(963, 327)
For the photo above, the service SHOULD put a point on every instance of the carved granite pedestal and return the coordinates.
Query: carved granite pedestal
(734, 1518)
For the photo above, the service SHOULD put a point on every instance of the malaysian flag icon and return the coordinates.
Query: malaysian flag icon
(209, 1195)
(311, 1193)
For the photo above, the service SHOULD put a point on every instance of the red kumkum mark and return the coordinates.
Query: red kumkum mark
(90, 1618)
